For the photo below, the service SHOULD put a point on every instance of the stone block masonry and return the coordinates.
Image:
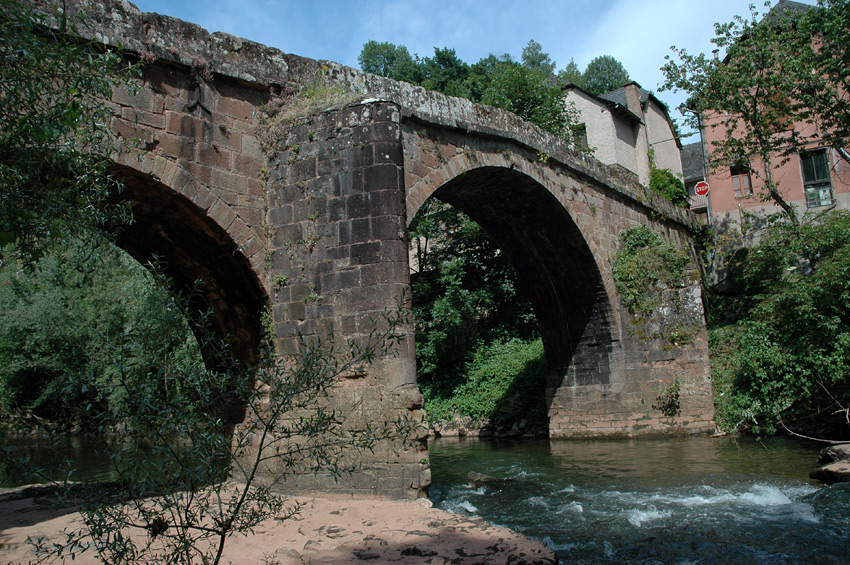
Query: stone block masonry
(339, 252)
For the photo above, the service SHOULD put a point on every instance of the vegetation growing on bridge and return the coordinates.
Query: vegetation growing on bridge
(645, 266)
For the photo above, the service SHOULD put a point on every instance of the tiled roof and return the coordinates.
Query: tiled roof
(619, 96)
(692, 161)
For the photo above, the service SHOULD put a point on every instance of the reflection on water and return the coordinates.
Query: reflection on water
(56, 459)
(684, 500)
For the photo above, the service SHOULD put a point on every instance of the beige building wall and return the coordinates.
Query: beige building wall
(623, 133)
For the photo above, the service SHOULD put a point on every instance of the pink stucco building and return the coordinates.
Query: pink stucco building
(812, 180)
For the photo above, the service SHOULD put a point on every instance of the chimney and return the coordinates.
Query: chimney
(633, 99)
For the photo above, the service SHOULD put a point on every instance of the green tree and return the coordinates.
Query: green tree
(526, 93)
(499, 81)
(55, 142)
(63, 317)
(468, 306)
(778, 321)
(481, 75)
(445, 72)
(389, 60)
(822, 43)
(572, 74)
(604, 74)
(535, 59)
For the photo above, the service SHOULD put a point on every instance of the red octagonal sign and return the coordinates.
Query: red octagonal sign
(701, 188)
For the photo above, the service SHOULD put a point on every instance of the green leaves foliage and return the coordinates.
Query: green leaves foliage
(644, 266)
(466, 301)
(526, 93)
(464, 290)
(63, 320)
(389, 60)
(787, 355)
(604, 74)
(664, 183)
(504, 382)
(55, 142)
(823, 97)
(526, 88)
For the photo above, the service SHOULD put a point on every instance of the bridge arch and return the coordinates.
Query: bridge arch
(192, 247)
(320, 200)
(554, 263)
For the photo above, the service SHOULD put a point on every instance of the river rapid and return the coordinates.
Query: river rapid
(683, 500)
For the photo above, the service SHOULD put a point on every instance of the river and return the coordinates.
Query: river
(683, 500)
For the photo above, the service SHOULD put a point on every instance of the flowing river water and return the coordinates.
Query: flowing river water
(681, 500)
(676, 500)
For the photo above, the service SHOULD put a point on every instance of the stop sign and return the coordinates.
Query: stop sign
(701, 188)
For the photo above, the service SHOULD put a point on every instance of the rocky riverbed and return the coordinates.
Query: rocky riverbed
(325, 531)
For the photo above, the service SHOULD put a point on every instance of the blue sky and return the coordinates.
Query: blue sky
(639, 33)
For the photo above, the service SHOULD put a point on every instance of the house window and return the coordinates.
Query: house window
(816, 183)
(741, 182)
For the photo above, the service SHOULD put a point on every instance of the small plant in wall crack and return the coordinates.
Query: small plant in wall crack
(313, 297)
(668, 402)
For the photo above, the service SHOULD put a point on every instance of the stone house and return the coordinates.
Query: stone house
(622, 126)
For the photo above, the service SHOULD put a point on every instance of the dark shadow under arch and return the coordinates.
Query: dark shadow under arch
(554, 263)
(192, 247)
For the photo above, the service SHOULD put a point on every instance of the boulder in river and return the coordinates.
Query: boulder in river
(834, 464)
(476, 480)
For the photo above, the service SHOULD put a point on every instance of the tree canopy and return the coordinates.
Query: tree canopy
(535, 59)
(389, 60)
(530, 88)
(604, 74)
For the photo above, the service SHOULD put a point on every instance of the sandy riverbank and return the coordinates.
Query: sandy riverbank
(327, 530)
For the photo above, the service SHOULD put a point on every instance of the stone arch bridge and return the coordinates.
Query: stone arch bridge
(245, 177)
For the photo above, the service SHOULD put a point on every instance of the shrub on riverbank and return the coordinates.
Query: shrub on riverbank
(780, 330)
(503, 383)
(63, 320)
